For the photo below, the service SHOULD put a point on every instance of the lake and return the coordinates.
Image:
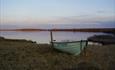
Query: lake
(44, 36)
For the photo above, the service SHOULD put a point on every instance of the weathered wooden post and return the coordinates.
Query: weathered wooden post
(80, 45)
(51, 35)
(86, 43)
(85, 48)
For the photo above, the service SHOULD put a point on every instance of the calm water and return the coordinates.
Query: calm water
(44, 36)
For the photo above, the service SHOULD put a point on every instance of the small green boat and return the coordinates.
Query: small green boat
(74, 47)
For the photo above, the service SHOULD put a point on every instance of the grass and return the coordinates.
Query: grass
(17, 55)
(28, 55)
(104, 56)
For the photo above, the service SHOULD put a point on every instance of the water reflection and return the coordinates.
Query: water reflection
(44, 36)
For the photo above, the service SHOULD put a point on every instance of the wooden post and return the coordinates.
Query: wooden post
(51, 35)
(81, 46)
(84, 50)
(86, 43)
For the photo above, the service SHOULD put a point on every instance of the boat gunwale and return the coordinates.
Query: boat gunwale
(70, 42)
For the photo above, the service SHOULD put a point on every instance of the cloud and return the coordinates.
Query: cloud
(85, 19)
(60, 20)
(101, 12)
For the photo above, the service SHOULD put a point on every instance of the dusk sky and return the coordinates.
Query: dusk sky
(68, 12)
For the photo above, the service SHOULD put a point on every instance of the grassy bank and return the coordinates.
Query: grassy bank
(104, 56)
(25, 55)
(28, 55)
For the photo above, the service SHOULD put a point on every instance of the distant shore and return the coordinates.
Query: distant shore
(112, 30)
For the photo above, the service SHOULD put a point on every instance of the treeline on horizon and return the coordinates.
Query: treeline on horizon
(76, 30)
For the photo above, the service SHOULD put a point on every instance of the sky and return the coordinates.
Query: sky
(35, 12)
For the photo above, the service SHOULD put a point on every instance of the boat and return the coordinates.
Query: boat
(73, 47)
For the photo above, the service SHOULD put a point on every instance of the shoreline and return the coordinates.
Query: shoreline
(109, 30)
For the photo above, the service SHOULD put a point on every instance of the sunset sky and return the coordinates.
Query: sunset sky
(34, 12)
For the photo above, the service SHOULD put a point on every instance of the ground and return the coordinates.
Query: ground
(28, 55)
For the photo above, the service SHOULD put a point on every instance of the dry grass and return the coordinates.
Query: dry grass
(104, 56)
(26, 55)
(31, 56)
